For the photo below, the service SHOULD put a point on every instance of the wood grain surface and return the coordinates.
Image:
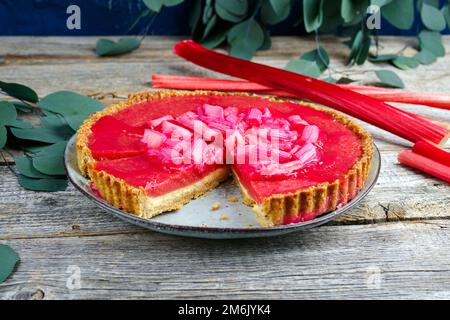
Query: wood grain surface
(393, 245)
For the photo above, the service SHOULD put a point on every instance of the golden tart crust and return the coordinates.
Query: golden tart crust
(318, 199)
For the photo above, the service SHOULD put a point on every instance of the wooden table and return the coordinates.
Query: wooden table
(395, 244)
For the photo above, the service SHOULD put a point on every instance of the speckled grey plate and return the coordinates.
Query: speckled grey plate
(231, 221)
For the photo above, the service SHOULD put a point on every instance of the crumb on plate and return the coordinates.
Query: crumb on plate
(224, 217)
(215, 206)
(233, 199)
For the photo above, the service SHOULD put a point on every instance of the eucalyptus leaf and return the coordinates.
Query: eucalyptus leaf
(267, 43)
(75, 121)
(3, 136)
(353, 10)
(425, 57)
(20, 124)
(405, 63)
(390, 78)
(432, 18)
(23, 107)
(312, 14)
(275, 11)
(154, 5)
(209, 26)
(25, 167)
(403, 19)
(231, 10)
(8, 261)
(107, 47)
(245, 38)
(319, 56)
(47, 185)
(19, 91)
(215, 39)
(304, 67)
(37, 134)
(49, 164)
(56, 149)
(446, 13)
(345, 80)
(8, 112)
(432, 41)
(69, 103)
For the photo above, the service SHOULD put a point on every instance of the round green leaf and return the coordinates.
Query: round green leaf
(432, 18)
(245, 38)
(446, 13)
(272, 15)
(20, 124)
(405, 63)
(401, 20)
(49, 164)
(25, 167)
(8, 260)
(48, 185)
(319, 56)
(56, 149)
(209, 26)
(231, 10)
(8, 112)
(425, 57)
(390, 78)
(312, 14)
(304, 67)
(432, 41)
(107, 47)
(3, 136)
(37, 134)
(70, 103)
(154, 5)
(352, 10)
(19, 91)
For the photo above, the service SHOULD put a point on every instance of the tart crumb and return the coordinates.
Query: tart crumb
(215, 206)
(224, 217)
(248, 225)
(233, 199)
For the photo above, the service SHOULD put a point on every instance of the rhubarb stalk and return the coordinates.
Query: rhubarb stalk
(425, 164)
(383, 94)
(360, 106)
(432, 152)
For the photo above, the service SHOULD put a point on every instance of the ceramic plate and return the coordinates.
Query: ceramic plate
(232, 220)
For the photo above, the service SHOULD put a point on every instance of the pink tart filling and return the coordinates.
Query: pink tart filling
(273, 147)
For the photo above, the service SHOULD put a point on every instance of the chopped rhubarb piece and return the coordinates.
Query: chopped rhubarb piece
(254, 117)
(432, 152)
(296, 119)
(153, 139)
(307, 154)
(156, 122)
(425, 164)
(211, 111)
(176, 131)
(310, 134)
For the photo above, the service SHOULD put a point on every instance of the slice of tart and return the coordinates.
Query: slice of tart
(156, 151)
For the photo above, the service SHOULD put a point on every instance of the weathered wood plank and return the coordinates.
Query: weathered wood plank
(385, 261)
(400, 194)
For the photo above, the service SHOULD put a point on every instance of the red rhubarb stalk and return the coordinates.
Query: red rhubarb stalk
(360, 106)
(383, 94)
(425, 164)
(432, 152)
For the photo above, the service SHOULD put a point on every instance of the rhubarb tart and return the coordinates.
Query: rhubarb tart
(157, 151)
